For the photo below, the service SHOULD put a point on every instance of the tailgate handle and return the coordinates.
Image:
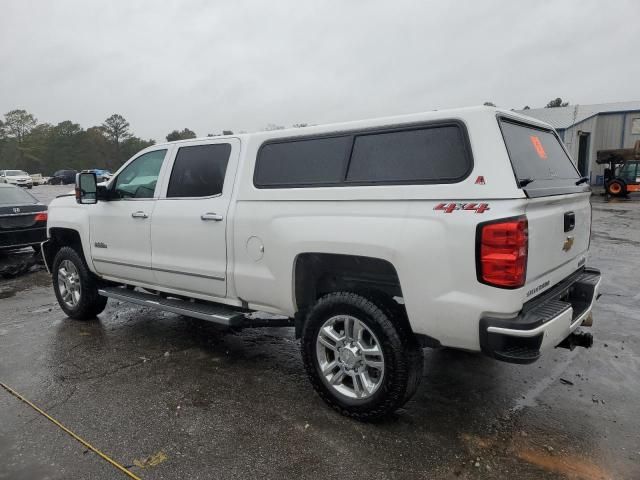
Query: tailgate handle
(569, 221)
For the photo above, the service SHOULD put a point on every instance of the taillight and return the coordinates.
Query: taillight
(41, 217)
(501, 253)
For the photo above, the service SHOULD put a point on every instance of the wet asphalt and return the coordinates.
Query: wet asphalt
(171, 397)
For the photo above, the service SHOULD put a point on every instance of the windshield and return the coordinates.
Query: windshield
(15, 196)
(16, 173)
(629, 172)
(539, 161)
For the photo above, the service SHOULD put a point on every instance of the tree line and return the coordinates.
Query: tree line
(27, 144)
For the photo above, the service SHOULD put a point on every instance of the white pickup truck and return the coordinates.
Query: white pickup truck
(464, 228)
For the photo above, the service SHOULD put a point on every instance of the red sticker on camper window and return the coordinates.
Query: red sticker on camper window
(538, 146)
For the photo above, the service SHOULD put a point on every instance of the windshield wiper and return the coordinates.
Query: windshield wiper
(582, 180)
(523, 182)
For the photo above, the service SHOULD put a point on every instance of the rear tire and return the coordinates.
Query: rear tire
(359, 356)
(616, 188)
(76, 288)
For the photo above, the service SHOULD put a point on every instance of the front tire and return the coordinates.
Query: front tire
(359, 356)
(75, 286)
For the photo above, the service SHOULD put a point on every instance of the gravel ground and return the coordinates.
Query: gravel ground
(172, 397)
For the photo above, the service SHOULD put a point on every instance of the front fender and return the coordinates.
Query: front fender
(65, 213)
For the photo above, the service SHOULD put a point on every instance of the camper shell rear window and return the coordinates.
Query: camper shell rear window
(540, 163)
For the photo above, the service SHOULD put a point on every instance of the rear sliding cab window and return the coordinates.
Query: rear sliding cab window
(432, 154)
(540, 163)
(198, 171)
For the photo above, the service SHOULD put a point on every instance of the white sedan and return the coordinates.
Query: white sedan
(16, 177)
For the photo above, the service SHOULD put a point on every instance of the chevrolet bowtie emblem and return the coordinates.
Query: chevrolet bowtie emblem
(568, 243)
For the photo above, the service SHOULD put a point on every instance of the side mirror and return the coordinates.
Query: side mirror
(86, 188)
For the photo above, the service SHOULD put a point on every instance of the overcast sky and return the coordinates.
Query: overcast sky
(237, 64)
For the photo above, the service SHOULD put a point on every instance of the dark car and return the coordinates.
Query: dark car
(23, 219)
(63, 177)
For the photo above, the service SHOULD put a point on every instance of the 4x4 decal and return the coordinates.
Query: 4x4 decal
(451, 207)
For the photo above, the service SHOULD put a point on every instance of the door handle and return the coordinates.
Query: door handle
(211, 216)
(139, 214)
(569, 221)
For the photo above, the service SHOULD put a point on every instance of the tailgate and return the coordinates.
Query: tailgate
(559, 230)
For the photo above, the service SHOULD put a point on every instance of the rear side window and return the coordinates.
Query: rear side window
(425, 155)
(432, 154)
(199, 171)
(318, 161)
(539, 162)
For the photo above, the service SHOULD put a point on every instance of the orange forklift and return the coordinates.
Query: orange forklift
(622, 176)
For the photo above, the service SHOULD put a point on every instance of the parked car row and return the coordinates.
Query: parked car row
(60, 177)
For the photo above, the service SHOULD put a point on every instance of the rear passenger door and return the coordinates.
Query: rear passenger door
(188, 231)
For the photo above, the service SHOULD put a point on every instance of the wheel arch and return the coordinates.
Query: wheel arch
(316, 274)
(63, 237)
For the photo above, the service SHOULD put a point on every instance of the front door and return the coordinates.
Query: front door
(121, 227)
(188, 231)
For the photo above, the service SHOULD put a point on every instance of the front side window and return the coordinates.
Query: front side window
(199, 170)
(139, 178)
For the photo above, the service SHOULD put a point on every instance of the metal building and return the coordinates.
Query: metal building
(585, 129)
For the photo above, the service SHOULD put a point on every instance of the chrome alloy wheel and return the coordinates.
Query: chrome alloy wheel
(350, 357)
(69, 283)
